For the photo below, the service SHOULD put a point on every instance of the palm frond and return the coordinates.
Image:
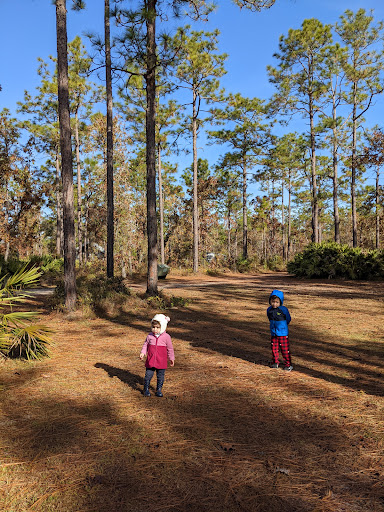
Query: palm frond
(24, 278)
(18, 317)
(19, 337)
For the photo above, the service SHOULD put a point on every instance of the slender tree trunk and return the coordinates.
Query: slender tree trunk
(377, 208)
(236, 240)
(6, 214)
(353, 169)
(335, 179)
(7, 249)
(315, 205)
(161, 206)
(150, 124)
(263, 235)
(66, 157)
(59, 209)
(79, 220)
(110, 202)
(272, 238)
(283, 223)
(245, 216)
(195, 206)
(229, 234)
(289, 214)
(336, 216)
(86, 241)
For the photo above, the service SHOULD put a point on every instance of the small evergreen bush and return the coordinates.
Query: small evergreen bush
(20, 337)
(329, 260)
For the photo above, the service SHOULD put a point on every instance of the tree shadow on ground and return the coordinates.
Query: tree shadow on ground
(249, 338)
(231, 433)
(213, 448)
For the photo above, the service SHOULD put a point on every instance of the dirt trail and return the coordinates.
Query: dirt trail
(230, 434)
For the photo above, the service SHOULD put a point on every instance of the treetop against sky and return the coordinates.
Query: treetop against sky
(28, 31)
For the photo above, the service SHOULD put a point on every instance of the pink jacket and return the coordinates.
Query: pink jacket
(158, 351)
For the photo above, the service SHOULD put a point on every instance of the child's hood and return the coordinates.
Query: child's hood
(279, 294)
(163, 321)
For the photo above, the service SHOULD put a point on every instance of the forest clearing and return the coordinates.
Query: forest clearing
(230, 434)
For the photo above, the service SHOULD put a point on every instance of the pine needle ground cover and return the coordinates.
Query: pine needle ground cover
(230, 434)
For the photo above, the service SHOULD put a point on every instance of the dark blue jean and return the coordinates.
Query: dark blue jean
(149, 372)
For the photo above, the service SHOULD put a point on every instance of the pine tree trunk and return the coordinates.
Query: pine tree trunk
(110, 198)
(195, 206)
(283, 223)
(66, 157)
(335, 195)
(86, 241)
(79, 220)
(353, 170)
(229, 234)
(161, 207)
(245, 219)
(315, 205)
(150, 79)
(59, 210)
(336, 215)
(289, 214)
(377, 208)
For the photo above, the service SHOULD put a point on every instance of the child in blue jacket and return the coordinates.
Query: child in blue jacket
(279, 319)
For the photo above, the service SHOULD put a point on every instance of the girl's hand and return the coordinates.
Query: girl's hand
(172, 362)
(142, 356)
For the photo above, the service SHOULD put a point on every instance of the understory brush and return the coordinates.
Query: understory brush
(50, 267)
(98, 295)
(332, 260)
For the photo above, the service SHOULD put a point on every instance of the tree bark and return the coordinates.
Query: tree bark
(353, 168)
(336, 215)
(377, 192)
(195, 177)
(86, 241)
(150, 78)
(161, 206)
(66, 157)
(315, 204)
(59, 209)
(229, 234)
(79, 220)
(289, 214)
(245, 219)
(283, 223)
(110, 198)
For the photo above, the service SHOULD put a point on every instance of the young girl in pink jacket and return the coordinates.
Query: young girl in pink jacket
(158, 349)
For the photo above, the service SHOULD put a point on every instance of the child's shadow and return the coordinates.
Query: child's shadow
(133, 380)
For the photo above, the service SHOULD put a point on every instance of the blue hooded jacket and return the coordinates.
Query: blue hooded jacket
(279, 318)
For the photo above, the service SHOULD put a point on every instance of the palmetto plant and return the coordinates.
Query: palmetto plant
(20, 336)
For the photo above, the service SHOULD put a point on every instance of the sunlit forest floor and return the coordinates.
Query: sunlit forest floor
(230, 434)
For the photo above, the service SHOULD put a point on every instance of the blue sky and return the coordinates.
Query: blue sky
(28, 31)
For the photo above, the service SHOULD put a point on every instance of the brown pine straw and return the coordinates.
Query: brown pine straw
(229, 435)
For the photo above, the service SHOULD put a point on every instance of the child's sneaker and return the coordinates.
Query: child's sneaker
(288, 368)
(274, 365)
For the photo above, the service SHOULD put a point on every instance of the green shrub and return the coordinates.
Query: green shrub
(245, 265)
(329, 260)
(50, 267)
(93, 289)
(275, 263)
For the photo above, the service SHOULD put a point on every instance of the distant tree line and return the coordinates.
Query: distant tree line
(117, 189)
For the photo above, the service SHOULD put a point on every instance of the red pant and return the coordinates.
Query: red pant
(283, 343)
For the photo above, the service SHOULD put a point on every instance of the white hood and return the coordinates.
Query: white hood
(163, 320)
